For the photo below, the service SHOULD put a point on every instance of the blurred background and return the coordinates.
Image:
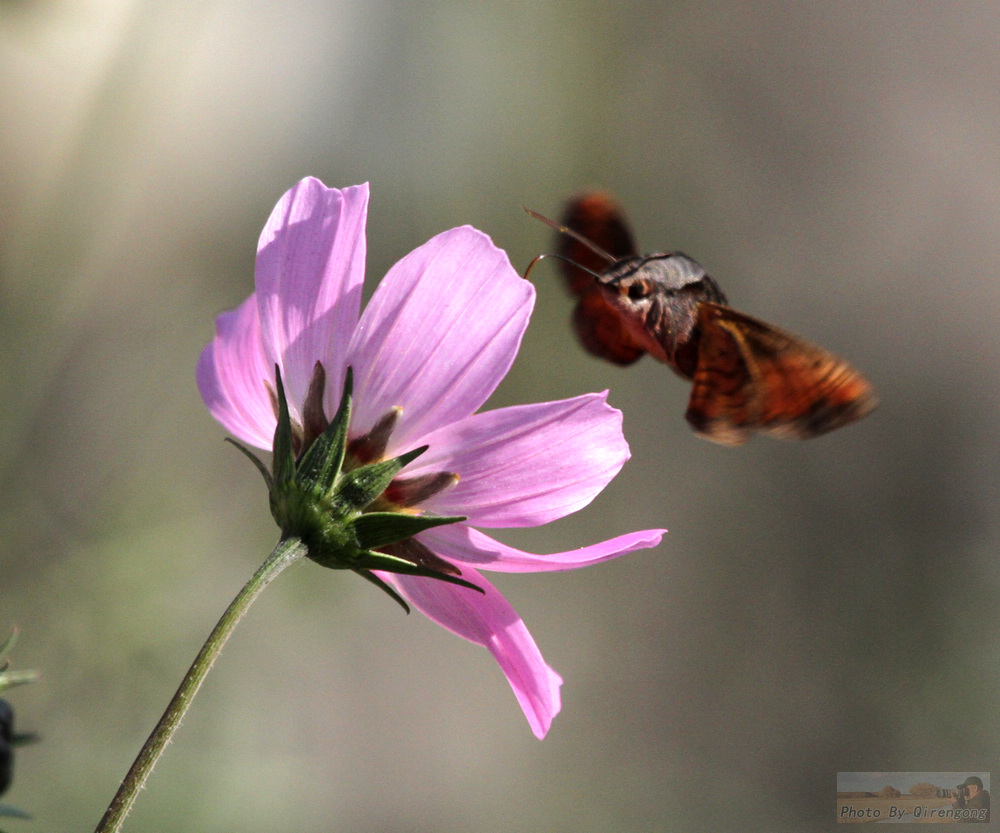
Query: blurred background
(817, 607)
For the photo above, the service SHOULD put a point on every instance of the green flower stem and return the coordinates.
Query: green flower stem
(288, 551)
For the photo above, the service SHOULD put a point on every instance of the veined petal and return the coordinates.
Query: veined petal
(526, 465)
(233, 375)
(490, 621)
(310, 268)
(438, 335)
(465, 545)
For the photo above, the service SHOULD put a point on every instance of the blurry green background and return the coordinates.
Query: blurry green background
(817, 607)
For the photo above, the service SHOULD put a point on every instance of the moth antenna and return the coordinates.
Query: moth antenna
(597, 250)
(563, 258)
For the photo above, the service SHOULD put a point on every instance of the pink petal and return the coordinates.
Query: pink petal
(438, 335)
(526, 465)
(465, 545)
(489, 620)
(233, 375)
(310, 268)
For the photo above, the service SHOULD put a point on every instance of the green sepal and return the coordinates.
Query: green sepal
(284, 443)
(378, 529)
(371, 560)
(393, 564)
(320, 466)
(359, 487)
(256, 461)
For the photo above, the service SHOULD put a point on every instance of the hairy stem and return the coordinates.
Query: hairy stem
(288, 551)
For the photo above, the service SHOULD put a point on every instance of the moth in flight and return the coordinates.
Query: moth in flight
(746, 375)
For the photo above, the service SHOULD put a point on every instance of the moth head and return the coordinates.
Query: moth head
(657, 297)
(641, 283)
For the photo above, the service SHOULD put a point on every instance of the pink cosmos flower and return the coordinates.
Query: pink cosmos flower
(437, 337)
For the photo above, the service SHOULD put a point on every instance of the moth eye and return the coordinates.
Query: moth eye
(637, 290)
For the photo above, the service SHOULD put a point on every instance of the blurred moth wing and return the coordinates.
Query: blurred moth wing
(599, 326)
(752, 376)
